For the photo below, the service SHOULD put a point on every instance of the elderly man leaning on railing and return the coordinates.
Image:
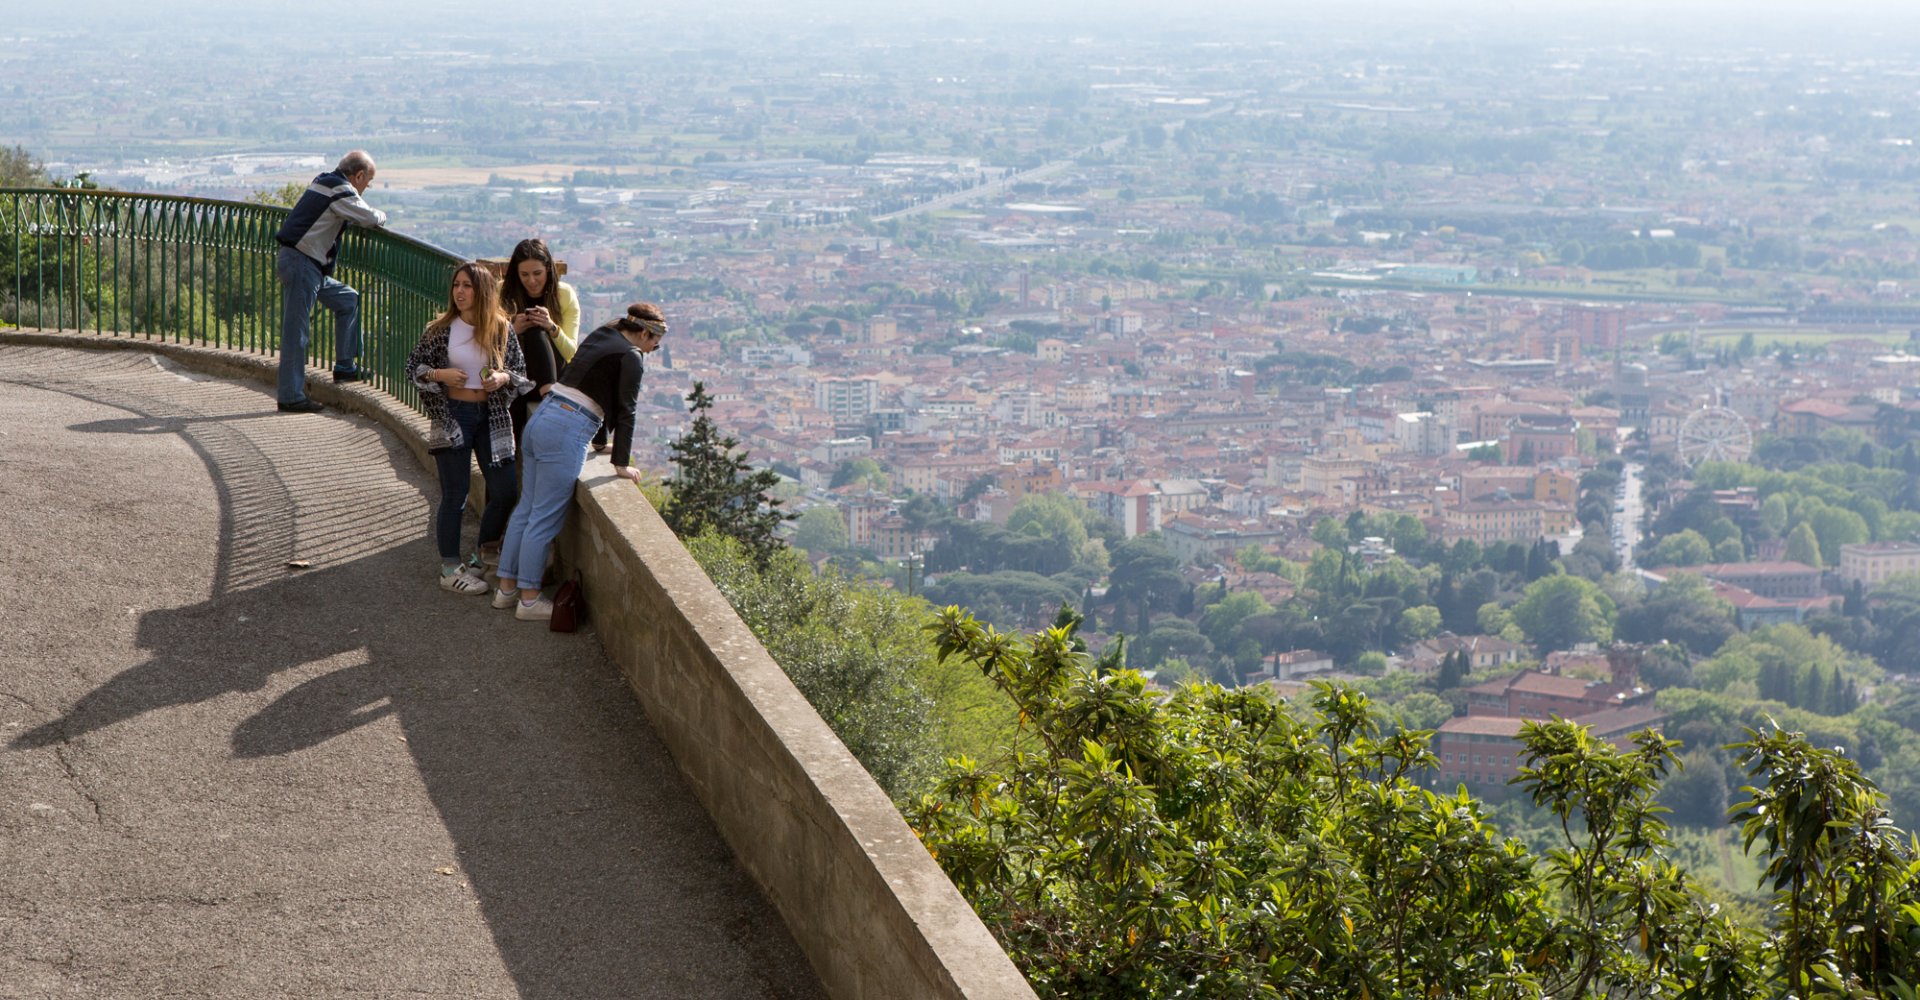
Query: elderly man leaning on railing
(309, 245)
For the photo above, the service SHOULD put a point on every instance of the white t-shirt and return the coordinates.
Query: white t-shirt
(465, 353)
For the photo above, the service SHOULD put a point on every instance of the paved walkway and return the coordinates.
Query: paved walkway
(223, 776)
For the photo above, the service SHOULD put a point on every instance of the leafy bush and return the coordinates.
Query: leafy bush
(1219, 843)
(859, 655)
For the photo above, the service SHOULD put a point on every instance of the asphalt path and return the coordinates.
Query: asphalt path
(1629, 517)
(226, 774)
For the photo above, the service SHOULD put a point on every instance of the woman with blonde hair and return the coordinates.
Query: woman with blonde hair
(601, 384)
(469, 368)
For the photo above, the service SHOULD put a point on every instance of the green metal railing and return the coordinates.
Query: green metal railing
(201, 271)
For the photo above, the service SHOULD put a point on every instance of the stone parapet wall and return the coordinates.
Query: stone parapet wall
(874, 913)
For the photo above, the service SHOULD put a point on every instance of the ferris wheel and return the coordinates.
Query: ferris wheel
(1714, 434)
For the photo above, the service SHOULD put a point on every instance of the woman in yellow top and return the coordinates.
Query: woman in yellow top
(534, 295)
(536, 299)
(545, 314)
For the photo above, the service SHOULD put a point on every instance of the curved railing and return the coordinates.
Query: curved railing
(201, 271)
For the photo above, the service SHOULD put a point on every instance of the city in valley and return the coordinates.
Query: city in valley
(1516, 367)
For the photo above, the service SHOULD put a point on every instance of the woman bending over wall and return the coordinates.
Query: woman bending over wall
(601, 383)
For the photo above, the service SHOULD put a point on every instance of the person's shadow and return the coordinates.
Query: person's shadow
(597, 872)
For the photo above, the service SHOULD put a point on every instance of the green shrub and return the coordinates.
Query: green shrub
(1219, 843)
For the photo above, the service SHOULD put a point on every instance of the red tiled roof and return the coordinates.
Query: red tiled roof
(1535, 682)
(1741, 597)
(1784, 568)
(1611, 722)
(1816, 407)
(1483, 725)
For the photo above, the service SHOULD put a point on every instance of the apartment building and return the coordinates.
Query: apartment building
(846, 400)
(1483, 752)
(1482, 749)
(1779, 580)
(1323, 474)
(1488, 521)
(1871, 563)
(1423, 433)
(1135, 505)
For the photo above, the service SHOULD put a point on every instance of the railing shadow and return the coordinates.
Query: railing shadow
(597, 872)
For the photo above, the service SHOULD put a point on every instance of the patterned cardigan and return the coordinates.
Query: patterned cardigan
(442, 432)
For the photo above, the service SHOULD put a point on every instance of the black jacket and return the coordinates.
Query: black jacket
(607, 369)
(543, 368)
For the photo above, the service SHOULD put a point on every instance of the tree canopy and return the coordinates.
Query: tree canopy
(820, 529)
(1222, 844)
(1558, 612)
(19, 168)
(715, 489)
(1684, 610)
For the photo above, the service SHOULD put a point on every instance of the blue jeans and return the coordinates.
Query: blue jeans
(552, 452)
(301, 285)
(455, 466)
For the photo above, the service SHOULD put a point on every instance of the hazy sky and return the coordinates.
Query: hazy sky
(1709, 23)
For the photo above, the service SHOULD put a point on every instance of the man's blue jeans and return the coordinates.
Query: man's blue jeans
(552, 452)
(301, 285)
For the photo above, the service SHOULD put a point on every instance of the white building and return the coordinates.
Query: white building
(1422, 433)
(1871, 563)
(847, 400)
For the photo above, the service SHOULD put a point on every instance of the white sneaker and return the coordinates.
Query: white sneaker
(506, 597)
(539, 611)
(460, 581)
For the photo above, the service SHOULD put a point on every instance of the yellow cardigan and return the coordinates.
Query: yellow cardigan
(566, 340)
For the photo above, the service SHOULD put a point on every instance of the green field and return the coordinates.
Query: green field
(1768, 338)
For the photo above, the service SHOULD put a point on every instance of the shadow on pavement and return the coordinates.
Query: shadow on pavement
(596, 871)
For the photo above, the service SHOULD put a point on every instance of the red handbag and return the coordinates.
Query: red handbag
(569, 605)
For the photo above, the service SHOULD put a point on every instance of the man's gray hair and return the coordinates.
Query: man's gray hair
(354, 162)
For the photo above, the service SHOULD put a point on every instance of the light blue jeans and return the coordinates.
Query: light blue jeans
(552, 452)
(301, 285)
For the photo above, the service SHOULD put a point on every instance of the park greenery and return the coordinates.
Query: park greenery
(860, 656)
(20, 168)
(1220, 843)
